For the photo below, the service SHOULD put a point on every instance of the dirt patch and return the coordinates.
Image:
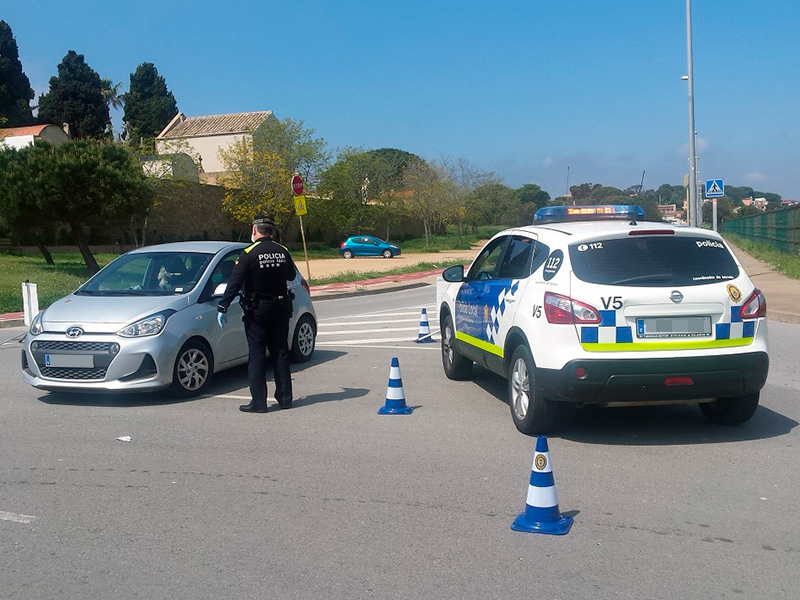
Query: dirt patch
(328, 267)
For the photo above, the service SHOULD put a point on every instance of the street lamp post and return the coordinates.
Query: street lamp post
(694, 207)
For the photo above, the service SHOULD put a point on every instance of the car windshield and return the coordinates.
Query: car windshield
(148, 274)
(653, 261)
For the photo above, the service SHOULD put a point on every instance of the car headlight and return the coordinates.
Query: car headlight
(152, 325)
(36, 325)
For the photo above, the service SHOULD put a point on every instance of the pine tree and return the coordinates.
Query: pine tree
(76, 98)
(149, 105)
(15, 87)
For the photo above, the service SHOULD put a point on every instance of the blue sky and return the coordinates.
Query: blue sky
(524, 88)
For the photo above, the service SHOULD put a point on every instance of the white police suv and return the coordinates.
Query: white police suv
(594, 305)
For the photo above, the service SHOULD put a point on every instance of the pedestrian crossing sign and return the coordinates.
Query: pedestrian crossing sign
(300, 205)
(715, 188)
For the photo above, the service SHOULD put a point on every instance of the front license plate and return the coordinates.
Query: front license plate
(75, 361)
(673, 327)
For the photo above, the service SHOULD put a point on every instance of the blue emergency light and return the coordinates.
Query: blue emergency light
(600, 212)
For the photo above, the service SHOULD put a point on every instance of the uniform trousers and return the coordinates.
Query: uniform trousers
(267, 327)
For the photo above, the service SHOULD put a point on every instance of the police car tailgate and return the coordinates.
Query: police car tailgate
(665, 319)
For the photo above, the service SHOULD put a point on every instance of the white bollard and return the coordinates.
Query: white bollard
(30, 302)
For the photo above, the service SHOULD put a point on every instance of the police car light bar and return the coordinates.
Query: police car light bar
(561, 214)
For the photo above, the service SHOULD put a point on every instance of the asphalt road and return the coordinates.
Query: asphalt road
(331, 500)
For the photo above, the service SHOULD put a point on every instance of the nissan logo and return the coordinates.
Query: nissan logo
(74, 332)
(676, 296)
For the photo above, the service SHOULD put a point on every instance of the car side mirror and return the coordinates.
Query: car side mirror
(219, 291)
(454, 274)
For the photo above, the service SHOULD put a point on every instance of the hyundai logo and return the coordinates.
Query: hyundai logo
(74, 332)
(676, 296)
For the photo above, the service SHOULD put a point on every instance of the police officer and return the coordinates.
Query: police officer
(261, 272)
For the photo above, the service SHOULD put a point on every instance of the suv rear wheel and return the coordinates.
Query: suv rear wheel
(532, 413)
(731, 411)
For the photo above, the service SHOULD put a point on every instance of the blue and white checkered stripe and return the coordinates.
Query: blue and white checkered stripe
(498, 309)
(613, 329)
(737, 328)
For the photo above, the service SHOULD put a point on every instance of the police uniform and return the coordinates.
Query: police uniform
(261, 272)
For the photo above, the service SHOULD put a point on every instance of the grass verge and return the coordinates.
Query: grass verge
(785, 263)
(52, 281)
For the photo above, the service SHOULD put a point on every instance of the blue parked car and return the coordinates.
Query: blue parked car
(366, 245)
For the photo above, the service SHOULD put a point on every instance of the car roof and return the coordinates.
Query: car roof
(204, 247)
(579, 230)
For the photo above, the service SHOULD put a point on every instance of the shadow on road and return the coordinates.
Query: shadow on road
(345, 394)
(646, 425)
(228, 381)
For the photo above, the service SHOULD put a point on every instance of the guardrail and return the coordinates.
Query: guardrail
(779, 229)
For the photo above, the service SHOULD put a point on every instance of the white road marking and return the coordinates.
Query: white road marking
(16, 518)
(365, 341)
(349, 323)
(388, 313)
(395, 347)
(352, 331)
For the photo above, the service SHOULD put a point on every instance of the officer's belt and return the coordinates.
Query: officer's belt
(267, 297)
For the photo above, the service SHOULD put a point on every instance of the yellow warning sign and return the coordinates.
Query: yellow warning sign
(300, 205)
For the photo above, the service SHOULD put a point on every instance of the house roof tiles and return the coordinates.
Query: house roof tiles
(183, 127)
(29, 130)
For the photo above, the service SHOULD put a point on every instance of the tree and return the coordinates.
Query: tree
(259, 170)
(296, 145)
(530, 192)
(22, 195)
(83, 183)
(76, 98)
(460, 180)
(425, 184)
(149, 106)
(257, 181)
(490, 204)
(363, 189)
(16, 92)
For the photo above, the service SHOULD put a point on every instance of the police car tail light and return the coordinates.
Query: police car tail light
(304, 283)
(566, 311)
(755, 306)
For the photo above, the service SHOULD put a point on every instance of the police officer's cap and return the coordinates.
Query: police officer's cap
(263, 220)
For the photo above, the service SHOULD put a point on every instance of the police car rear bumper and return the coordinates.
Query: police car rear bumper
(655, 380)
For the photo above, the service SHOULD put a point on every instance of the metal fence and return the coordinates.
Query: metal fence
(779, 229)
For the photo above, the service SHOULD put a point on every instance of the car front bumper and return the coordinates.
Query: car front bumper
(117, 364)
(661, 380)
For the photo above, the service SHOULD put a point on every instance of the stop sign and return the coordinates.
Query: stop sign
(297, 185)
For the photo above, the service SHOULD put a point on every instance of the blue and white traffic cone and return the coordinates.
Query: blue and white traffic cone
(424, 336)
(395, 398)
(541, 508)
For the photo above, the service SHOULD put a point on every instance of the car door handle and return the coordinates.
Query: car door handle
(510, 300)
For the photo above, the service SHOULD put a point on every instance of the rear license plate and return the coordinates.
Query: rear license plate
(75, 361)
(673, 327)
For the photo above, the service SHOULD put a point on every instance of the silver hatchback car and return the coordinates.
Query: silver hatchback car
(147, 321)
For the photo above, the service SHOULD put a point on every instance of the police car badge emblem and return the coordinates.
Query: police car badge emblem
(734, 293)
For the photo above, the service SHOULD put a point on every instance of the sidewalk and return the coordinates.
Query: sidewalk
(782, 293)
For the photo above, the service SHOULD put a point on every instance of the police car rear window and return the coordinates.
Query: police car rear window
(653, 261)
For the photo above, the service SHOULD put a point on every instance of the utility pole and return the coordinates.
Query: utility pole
(694, 207)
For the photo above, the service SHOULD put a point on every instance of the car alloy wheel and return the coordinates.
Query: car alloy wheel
(193, 369)
(304, 340)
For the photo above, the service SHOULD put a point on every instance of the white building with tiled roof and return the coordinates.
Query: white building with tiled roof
(18, 137)
(203, 137)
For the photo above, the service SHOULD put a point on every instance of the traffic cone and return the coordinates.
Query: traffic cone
(424, 336)
(541, 508)
(395, 398)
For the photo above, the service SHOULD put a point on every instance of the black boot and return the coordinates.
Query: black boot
(253, 408)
